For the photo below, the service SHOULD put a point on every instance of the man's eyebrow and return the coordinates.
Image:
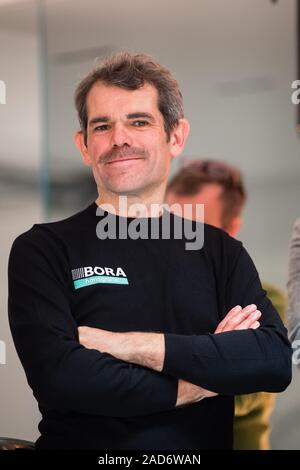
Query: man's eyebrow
(97, 119)
(135, 115)
(140, 115)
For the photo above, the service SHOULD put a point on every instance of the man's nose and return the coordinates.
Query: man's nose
(120, 136)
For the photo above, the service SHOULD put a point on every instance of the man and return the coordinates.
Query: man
(136, 343)
(220, 188)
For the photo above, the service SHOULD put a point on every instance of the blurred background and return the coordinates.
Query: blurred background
(235, 61)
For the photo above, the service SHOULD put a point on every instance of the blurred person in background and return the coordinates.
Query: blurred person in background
(293, 285)
(221, 189)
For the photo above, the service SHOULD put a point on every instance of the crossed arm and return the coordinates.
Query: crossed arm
(176, 369)
(148, 349)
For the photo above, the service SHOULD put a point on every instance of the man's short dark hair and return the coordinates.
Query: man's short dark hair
(192, 177)
(132, 71)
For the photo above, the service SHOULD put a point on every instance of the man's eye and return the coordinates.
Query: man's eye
(140, 123)
(101, 128)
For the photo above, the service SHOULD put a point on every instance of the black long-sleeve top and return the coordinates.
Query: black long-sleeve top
(61, 276)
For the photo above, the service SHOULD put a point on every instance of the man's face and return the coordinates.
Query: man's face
(209, 195)
(127, 145)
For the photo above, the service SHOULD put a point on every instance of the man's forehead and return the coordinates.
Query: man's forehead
(110, 98)
(102, 86)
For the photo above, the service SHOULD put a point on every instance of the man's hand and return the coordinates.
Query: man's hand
(188, 393)
(240, 319)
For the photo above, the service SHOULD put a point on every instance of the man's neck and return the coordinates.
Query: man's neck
(132, 206)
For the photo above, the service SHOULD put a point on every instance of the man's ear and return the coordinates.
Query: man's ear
(179, 136)
(80, 144)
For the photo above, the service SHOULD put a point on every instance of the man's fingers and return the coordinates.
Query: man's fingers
(250, 322)
(236, 316)
(232, 312)
(246, 317)
(83, 335)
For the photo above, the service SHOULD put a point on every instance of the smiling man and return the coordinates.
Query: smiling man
(134, 343)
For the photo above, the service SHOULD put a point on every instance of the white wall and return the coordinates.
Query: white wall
(19, 154)
(19, 117)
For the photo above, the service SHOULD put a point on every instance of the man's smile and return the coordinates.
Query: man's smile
(123, 160)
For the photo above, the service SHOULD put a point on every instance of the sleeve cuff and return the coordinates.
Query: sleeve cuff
(178, 354)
